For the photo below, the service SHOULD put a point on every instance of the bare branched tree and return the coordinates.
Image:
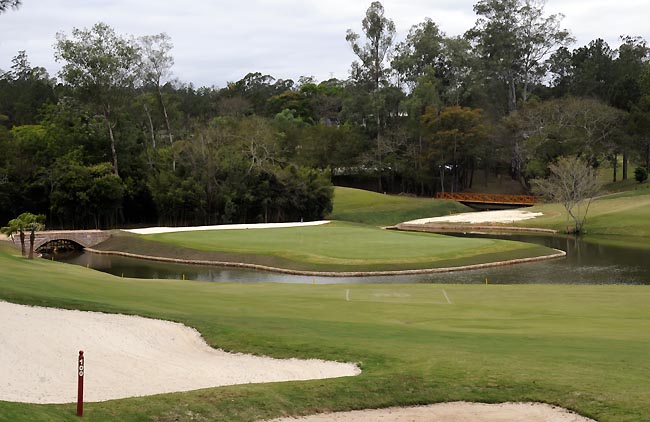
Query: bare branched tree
(573, 183)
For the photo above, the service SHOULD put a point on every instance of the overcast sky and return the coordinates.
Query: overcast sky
(222, 40)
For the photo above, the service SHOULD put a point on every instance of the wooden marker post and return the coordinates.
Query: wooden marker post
(80, 384)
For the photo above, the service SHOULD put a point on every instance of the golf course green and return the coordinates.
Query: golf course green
(333, 247)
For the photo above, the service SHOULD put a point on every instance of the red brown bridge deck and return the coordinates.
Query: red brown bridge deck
(487, 198)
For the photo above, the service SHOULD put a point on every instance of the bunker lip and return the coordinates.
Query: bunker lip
(126, 356)
(159, 230)
(558, 254)
(451, 412)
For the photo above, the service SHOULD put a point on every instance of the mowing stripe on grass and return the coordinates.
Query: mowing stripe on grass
(446, 297)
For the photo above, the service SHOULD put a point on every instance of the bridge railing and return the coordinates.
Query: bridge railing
(489, 198)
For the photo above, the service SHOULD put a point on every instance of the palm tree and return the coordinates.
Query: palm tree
(15, 226)
(25, 222)
(32, 223)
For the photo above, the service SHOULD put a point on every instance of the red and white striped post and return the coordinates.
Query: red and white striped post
(80, 384)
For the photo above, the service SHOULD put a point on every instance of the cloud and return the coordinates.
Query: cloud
(220, 41)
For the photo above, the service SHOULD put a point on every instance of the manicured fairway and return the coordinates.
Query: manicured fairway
(581, 347)
(373, 208)
(336, 246)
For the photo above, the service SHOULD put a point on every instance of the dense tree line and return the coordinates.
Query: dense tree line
(116, 140)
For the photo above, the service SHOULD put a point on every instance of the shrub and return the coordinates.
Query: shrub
(640, 174)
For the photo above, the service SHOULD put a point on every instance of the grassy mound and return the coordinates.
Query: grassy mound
(554, 344)
(336, 246)
(360, 206)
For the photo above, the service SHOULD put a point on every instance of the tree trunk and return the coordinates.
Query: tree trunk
(615, 164)
(471, 175)
(168, 127)
(380, 169)
(647, 157)
(112, 138)
(22, 243)
(512, 95)
(151, 129)
(524, 92)
(32, 237)
(625, 160)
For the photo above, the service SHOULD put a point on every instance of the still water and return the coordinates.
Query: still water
(586, 263)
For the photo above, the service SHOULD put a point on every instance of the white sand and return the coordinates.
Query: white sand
(502, 216)
(156, 230)
(452, 412)
(126, 356)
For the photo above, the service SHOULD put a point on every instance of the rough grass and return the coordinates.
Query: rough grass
(336, 246)
(360, 206)
(580, 347)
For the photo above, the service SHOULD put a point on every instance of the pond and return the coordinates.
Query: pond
(586, 263)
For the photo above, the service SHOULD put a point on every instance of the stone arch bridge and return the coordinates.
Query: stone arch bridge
(84, 238)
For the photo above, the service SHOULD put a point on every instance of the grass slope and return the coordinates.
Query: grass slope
(360, 206)
(336, 246)
(580, 347)
(624, 214)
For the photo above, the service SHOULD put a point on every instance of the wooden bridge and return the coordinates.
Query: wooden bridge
(490, 201)
(83, 238)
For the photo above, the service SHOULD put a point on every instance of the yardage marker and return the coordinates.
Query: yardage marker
(347, 295)
(446, 297)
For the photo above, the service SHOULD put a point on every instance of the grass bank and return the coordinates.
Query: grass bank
(580, 347)
(360, 206)
(334, 247)
(626, 214)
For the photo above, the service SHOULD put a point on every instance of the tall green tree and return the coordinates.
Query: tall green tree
(640, 118)
(7, 4)
(25, 222)
(100, 66)
(593, 70)
(155, 69)
(419, 53)
(514, 38)
(372, 71)
(379, 33)
(85, 195)
(454, 136)
(15, 226)
(24, 91)
(584, 127)
(32, 223)
(629, 68)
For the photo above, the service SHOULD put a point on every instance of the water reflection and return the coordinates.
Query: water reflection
(586, 263)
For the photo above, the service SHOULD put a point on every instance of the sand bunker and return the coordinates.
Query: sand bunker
(126, 356)
(504, 216)
(452, 412)
(156, 230)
